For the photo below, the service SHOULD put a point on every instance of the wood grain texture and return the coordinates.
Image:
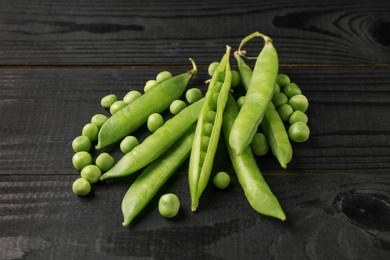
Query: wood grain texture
(161, 32)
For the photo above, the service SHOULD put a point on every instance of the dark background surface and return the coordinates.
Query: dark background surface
(58, 58)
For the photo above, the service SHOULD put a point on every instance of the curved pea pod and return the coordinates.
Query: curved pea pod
(272, 125)
(155, 144)
(257, 191)
(135, 114)
(259, 95)
(208, 130)
(154, 176)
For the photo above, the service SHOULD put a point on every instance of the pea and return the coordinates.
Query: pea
(163, 75)
(210, 116)
(212, 67)
(299, 132)
(279, 99)
(193, 95)
(299, 102)
(177, 106)
(240, 101)
(236, 80)
(81, 143)
(131, 96)
(81, 159)
(204, 143)
(108, 100)
(298, 116)
(104, 161)
(128, 144)
(91, 131)
(277, 88)
(150, 84)
(91, 173)
(118, 105)
(99, 120)
(169, 205)
(282, 80)
(259, 144)
(155, 120)
(221, 180)
(81, 187)
(292, 89)
(285, 111)
(208, 128)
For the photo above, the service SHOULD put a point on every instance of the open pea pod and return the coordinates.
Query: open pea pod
(208, 130)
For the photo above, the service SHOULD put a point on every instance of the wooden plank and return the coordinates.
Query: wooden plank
(342, 216)
(159, 32)
(43, 110)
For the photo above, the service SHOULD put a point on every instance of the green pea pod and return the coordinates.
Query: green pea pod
(259, 95)
(135, 114)
(155, 144)
(272, 125)
(154, 176)
(208, 130)
(257, 191)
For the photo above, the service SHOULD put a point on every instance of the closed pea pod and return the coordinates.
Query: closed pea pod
(135, 114)
(256, 190)
(259, 95)
(155, 144)
(208, 130)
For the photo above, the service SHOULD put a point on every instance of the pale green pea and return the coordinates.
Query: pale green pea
(212, 67)
(236, 79)
(81, 159)
(204, 142)
(207, 128)
(131, 96)
(202, 156)
(81, 187)
(108, 100)
(298, 116)
(279, 99)
(104, 161)
(150, 84)
(277, 88)
(240, 101)
(260, 145)
(99, 120)
(91, 173)
(221, 180)
(163, 75)
(285, 111)
(210, 116)
(155, 121)
(91, 131)
(299, 132)
(193, 95)
(282, 80)
(299, 102)
(128, 144)
(81, 143)
(118, 105)
(169, 205)
(292, 89)
(177, 106)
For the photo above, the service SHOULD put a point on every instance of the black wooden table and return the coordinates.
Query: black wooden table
(58, 58)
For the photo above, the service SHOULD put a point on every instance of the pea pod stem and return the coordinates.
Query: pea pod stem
(135, 114)
(256, 190)
(155, 144)
(154, 176)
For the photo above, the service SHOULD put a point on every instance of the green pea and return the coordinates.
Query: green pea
(91, 173)
(202, 157)
(279, 99)
(282, 80)
(212, 67)
(207, 128)
(91, 131)
(193, 95)
(104, 161)
(298, 116)
(240, 101)
(163, 75)
(169, 205)
(292, 89)
(210, 116)
(81, 187)
(177, 106)
(204, 142)
(150, 84)
(299, 102)
(285, 111)
(81, 143)
(81, 159)
(221, 180)
(260, 145)
(108, 100)
(118, 105)
(277, 88)
(131, 96)
(128, 144)
(299, 132)
(99, 120)
(155, 121)
(213, 102)
(236, 80)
